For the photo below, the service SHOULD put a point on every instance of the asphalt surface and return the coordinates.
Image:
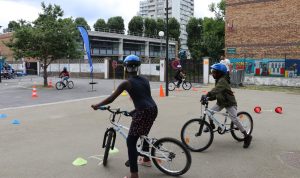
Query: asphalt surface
(59, 126)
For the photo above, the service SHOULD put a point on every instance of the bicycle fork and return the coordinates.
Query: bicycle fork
(110, 130)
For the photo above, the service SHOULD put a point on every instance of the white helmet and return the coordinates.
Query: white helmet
(226, 62)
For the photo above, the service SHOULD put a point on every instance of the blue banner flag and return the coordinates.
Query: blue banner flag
(86, 43)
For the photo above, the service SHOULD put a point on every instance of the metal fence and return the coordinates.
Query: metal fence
(237, 78)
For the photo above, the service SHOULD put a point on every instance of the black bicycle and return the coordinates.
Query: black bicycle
(61, 84)
(197, 134)
(185, 85)
(168, 154)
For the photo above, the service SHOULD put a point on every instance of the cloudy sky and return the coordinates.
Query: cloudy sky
(91, 10)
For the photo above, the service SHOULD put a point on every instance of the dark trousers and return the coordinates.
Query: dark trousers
(132, 152)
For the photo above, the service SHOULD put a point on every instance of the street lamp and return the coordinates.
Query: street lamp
(161, 35)
(167, 47)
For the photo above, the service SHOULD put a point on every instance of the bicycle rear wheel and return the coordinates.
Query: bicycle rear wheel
(194, 136)
(171, 157)
(70, 84)
(107, 147)
(171, 86)
(59, 85)
(186, 85)
(246, 121)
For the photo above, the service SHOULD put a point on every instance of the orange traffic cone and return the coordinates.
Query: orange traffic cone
(34, 92)
(161, 91)
(50, 83)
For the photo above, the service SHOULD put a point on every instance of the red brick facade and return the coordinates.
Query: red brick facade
(263, 28)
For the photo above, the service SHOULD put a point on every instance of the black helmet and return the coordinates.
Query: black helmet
(132, 61)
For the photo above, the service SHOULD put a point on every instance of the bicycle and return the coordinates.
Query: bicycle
(61, 85)
(197, 134)
(185, 85)
(161, 156)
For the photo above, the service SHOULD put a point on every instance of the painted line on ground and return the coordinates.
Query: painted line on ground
(53, 103)
(59, 102)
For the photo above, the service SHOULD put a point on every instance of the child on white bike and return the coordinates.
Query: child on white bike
(225, 99)
(142, 117)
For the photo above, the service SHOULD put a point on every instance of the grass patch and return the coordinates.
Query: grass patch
(295, 90)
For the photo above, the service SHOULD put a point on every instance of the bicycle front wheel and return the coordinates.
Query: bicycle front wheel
(197, 135)
(107, 147)
(59, 85)
(70, 84)
(171, 86)
(246, 121)
(186, 85)
(171, 157)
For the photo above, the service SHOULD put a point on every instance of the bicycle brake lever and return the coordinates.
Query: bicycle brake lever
(103, 108)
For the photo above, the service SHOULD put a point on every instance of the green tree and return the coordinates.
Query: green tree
(13, 25)
(100, 24)
(116, 23)
(213, 36)
(80, 21)
(136, 25)
(194, 40)
(150, 27)
(160, 25)
(174, 28)
(49, 38)
(218, 9)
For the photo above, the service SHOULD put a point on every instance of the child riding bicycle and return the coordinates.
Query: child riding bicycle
(64, 75)
(144, 114)
(179, 75)
(225, 99)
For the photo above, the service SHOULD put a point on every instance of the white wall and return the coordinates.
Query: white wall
(149, 69)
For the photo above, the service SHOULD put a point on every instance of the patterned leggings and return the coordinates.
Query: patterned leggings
(142, 121)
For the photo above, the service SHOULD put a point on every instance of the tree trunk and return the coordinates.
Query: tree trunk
(45, 66)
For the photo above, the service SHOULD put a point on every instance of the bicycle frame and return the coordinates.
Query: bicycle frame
(210, 114)
(120, 129)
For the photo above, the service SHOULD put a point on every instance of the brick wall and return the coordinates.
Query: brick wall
(263, 28)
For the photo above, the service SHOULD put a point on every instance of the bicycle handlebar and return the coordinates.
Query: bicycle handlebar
(114, 111)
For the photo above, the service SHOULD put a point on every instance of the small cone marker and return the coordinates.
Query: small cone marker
(15, 122)
(257, 109)
(278, 110)
(161, 91)
(3, 116)
(124, 93)
(79, 162)
(34, 92)
(115, 150)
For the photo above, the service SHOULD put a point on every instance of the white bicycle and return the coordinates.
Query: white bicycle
(168, 154)
(197, 134)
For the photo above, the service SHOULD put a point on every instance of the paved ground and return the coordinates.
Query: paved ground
(51, 136)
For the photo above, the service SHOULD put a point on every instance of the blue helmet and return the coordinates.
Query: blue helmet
(219, 67)
(132, 61)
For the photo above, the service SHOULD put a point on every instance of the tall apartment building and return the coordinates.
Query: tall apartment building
(182, 10)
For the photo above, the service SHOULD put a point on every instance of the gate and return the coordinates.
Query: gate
(192, 68)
